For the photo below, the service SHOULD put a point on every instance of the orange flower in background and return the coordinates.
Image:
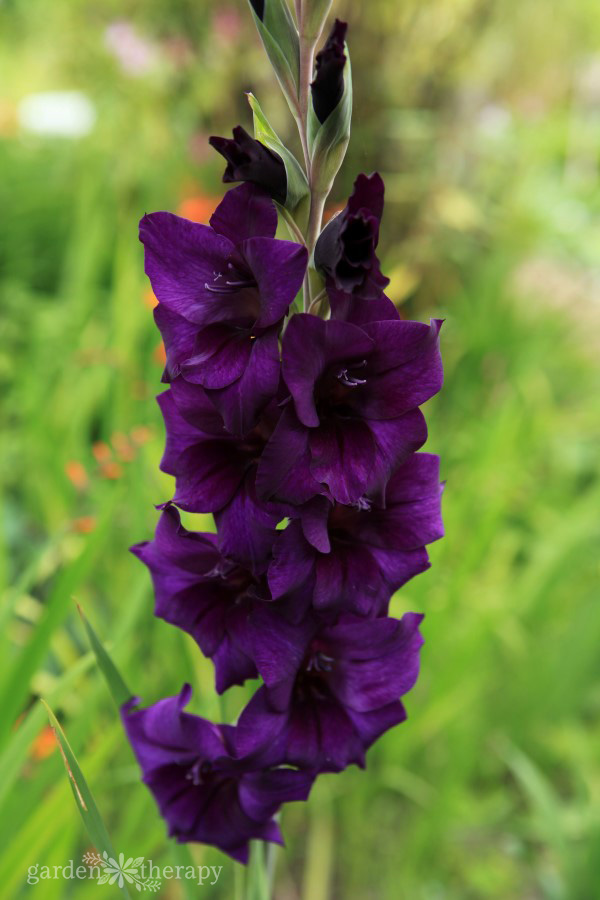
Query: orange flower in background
(198, 208)
(76, 474)
(159, 354)
(84, 525)
(141, 434)
(102, 452)
(44, 744)
(124, 449)
(111, 470)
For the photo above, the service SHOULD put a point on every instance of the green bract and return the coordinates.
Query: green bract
(328, 141)
(280, 38)
(314, 17)
(297, 185)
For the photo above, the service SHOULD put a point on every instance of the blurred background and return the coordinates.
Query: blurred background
(484, 118)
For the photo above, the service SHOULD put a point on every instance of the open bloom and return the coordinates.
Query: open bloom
(215, 471)
(202, 791)
(354, 413)
(204, 593)
(223, 292)
(345, 251)
(329, 692)
(354, 557)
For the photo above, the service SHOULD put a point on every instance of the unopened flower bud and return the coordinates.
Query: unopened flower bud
(249, 160)
(328, 86)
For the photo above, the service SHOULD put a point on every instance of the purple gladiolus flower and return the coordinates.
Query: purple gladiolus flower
(223, 292)
(329, 692)
(216, 471)
(249, 160)
(204, 593)
(354, 416)
(203, 792)
(354, 557)
(345, 251)
(299, 434)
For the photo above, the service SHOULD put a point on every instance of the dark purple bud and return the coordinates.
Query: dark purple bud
(346, 248)
(249, 160)
(259, 8)
(328, 86)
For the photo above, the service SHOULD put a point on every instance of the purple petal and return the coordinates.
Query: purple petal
(241, 402)
(207, 470)
(357, 310)
(343, 457)
(162, 734)
(368, 195)
(283, 470)
(247, 526)
(278, 267)
(293, 561)
(405, 370)
(221, 354)
(395, 440)
(314, 517)
(364, 684)
(349, 578)
(245, 212)
(262, 793)
(279, 648)
(179, 337)
(181, 258)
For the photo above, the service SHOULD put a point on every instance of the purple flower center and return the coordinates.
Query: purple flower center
(358, 241)
(230, 281)
(348, 379)
(240, 582)
(311, 681)
(200, 772)
(333, 393)
(343, 523)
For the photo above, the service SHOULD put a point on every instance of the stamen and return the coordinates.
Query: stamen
(351, 380)
(320, 662)
(229, 286)
(363, 503)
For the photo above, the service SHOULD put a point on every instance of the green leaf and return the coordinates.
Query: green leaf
(280, 39)
(83, 796)
(297, 185)
(328, 141)
(118, 689)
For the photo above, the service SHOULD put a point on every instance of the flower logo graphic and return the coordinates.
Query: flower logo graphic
(121, 872)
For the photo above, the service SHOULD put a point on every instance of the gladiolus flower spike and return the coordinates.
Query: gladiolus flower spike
(300, 431)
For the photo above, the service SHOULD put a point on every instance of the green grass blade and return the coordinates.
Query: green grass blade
(17, 683)
(118, 689)
(83, 796)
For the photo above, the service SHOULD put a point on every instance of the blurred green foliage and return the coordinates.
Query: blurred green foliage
(484, 118)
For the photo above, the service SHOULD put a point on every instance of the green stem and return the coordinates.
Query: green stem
(293, 227)
(316, 300)
(257, 885)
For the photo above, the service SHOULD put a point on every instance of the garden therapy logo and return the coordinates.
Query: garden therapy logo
(121, 872)
(144, 874)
